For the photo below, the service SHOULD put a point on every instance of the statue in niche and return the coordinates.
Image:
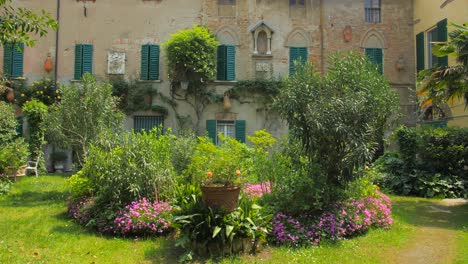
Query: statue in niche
(262, 43)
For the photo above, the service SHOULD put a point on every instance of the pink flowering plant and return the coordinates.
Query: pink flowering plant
(254, 191)
(143, 217)
(343, 220)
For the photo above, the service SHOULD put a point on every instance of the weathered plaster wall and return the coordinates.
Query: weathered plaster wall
(125, 25)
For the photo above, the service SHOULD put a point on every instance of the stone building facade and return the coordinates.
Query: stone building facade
(264, 34)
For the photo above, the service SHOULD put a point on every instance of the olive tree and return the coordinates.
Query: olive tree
(339, 116)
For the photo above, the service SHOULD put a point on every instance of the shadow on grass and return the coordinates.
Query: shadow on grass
(431, 214)
(167, 252)
(35, 198)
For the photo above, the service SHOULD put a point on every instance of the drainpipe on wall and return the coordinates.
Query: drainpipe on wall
(322, 59)
(57, 34)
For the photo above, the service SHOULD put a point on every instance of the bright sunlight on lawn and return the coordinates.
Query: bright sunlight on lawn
(35, 229)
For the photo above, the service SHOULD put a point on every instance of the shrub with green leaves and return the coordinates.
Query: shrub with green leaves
(430, 162)
(86, 110)
(36, 113)
(221, 162)
(338, 117)
(127, 167)
(191, 54)
(7, 123)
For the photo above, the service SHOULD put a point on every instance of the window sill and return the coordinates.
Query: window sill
(149, 81)
(266, 56)
(224, 82)
(18, 78)
(75, 81)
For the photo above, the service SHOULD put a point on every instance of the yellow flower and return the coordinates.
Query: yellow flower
(22, 95)
(56, 91)
(58, 97)
(42, 92)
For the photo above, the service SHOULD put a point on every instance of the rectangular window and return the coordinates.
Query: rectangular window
(297, 54)
(375, 55)
(436, 34)
(227, 8)
(297, 3)
(147, 123)
(372, 11)
(228, 128)
(297, 9)
(13, 56)
(431, 36)
(150, 62)
(226, 63)
(83, 60)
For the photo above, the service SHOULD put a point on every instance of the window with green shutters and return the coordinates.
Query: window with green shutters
(235, 129)
(147, 123)
(375, 55)
(150, 62)
(13, 57)
(226, 63)
(297, 53)
(424, 56)
(83, 60)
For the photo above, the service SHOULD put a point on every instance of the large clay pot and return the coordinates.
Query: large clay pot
(221, 197)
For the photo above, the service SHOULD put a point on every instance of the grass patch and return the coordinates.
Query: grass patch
(35, 229)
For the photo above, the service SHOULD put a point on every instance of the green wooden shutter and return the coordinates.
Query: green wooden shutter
(221, 63)
(87, 58)
(375, 56)
(420, 58)
(145, 50)
(379, 59)
(19, 126)
(442, 34)
(78, 62)
(293, 55)
(231, 63)
(211, 129)
(303, 54)
(18, 57)
(154, 63)
(7, 59)
(240, 130)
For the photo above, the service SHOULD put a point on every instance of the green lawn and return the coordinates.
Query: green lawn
(35, 229)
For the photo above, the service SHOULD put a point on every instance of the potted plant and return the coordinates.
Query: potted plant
(58, 159)
(222, 167)
(13, 158)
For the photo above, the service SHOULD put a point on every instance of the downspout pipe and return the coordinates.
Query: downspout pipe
(322, 59)
(57, 36)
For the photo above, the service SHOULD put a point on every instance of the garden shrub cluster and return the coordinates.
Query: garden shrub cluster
(430, 162)
(310, 186)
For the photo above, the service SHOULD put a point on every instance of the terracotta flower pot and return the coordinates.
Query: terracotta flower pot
(221, 197)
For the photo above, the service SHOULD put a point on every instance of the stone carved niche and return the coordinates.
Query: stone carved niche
(262, 34)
